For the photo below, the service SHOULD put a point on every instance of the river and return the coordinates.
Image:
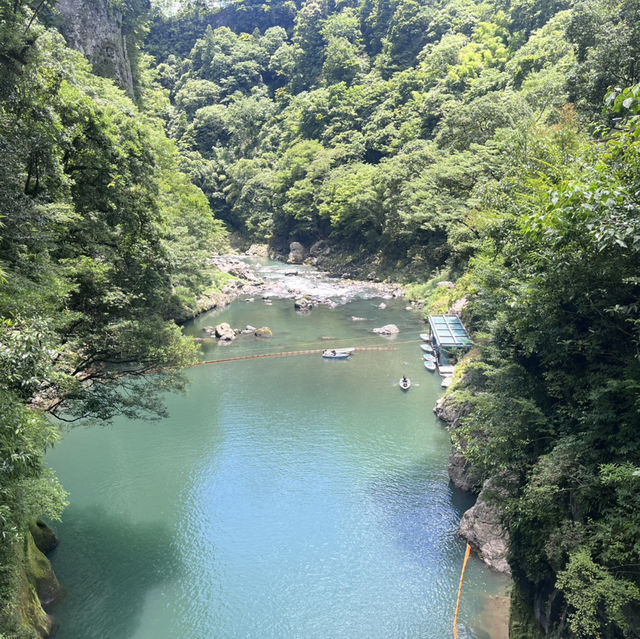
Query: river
(284, 497)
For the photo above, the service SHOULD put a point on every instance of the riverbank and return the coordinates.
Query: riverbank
(288, 485)
(258, 277)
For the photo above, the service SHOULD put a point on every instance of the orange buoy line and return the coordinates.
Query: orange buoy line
(464, 567)
(287, 353)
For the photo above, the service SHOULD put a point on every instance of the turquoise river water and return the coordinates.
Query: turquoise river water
(284, 498)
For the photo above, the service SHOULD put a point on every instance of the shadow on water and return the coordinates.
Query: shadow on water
(107, 565)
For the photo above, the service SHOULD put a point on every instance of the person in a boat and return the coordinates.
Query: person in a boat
(404, 380)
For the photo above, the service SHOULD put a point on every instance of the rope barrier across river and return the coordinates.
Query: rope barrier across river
(288, 353)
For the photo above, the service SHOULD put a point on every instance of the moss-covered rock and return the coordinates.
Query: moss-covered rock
(35, 586)
(34, 622)
(40, 574)
(264, 331)
(44, 538)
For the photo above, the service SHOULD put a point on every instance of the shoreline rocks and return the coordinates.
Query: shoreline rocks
(481, 525)
(314, 286)
(297, 253)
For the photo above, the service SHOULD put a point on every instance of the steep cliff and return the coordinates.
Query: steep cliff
(481, 525)
(95, 28)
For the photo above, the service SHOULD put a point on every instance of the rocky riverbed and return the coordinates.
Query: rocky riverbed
(258, 279)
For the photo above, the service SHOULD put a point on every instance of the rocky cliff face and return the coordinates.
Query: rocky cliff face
(95, 29)
(481, 525)
(461, 473)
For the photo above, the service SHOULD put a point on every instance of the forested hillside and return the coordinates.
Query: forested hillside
(492, 143)
(383, 127)
(103, 243)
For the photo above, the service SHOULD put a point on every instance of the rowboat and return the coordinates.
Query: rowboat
(335, 354)
(430, 366)
(405, 383)
(425, 337)
(427, 348)
(428, 357)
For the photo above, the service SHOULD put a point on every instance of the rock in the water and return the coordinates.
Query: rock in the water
(297, 253)
(482, 527)
(44, 538)
(303, 304)
(382, 306)
(354, 318)
(264, 331)
(388, 329)
(224, 332)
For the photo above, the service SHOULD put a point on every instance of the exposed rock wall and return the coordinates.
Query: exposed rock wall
(38, 587)
(95, 29)
(461, 473)
(481, 525)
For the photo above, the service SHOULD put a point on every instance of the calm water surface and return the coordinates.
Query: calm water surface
(284, 498)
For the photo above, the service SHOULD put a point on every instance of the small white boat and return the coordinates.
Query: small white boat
(427, 348)
(405, 383)
(428, 357)
(430, 366)
(335, 354)
(446, 381)
(425, 337)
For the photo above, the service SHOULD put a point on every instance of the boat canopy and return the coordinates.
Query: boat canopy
(448, 332)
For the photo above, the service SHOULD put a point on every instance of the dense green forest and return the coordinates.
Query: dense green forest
(104, 242)
(493, 143)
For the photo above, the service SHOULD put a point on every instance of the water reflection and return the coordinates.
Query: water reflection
(110, 564)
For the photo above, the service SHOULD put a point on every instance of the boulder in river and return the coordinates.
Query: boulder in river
(297, 253)
(303, 304)
(225, 333)
(264, 331)
(388, 329)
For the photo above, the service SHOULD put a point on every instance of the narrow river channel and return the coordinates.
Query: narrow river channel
(284, 497)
